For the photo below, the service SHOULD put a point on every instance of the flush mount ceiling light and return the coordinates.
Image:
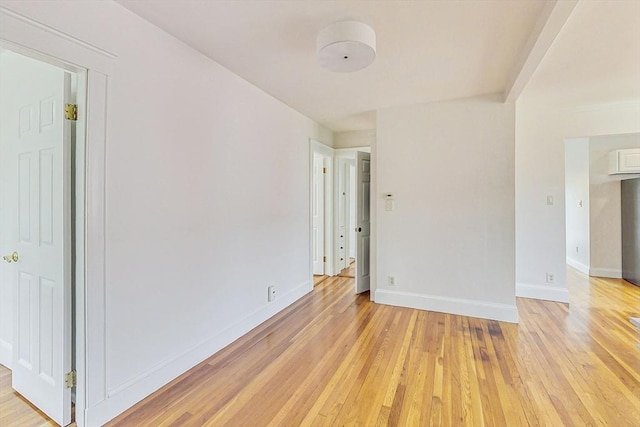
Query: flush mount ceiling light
(346, 46)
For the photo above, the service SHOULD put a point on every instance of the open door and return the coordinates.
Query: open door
(36, 237)
(363, 222)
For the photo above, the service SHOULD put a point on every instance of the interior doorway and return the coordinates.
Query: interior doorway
(352, 233)
(340, 213)
(593, 202)
(37, 229)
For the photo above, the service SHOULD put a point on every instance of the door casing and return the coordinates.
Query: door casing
(318, 215)
(316, 148)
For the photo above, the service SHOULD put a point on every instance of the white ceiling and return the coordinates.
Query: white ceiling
(426, 50)
(594, 60)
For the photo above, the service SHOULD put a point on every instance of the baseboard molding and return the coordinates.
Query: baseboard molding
(578, 266)
(548, 293)
(614, 273)
(126, 395)
(462, 307)
(6, 353)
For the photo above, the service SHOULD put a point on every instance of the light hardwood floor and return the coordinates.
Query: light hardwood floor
(350, 271)
(318, 278)
(16, 411)
(336, 359)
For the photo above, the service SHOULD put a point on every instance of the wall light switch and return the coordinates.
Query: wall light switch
(388, 205)
(550, 200)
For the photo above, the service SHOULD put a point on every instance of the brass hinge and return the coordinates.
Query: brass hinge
(70, 379)
(71, 112)
(324, 259)
(324, 170)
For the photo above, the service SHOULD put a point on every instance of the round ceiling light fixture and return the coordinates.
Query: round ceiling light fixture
(346, 46)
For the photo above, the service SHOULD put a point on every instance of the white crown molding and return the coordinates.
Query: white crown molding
(55, 32)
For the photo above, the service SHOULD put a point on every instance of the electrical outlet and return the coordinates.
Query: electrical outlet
(392, 281)
(388, 205)
(272, 293)
(551, 278)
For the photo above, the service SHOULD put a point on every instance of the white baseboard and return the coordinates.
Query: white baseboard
(549, 293)
(578, 265)
(6, 353)
(614, 273)
(462, 307)
(126, 395)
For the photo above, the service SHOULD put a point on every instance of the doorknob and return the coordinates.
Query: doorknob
(11, 258)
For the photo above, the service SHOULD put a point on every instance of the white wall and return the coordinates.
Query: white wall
(577, 202)
(207, 199)
(605, 215)
(449, 242)
(354, 139)
(540, 229)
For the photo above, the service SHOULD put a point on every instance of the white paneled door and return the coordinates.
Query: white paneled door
(317, 207)
(363, 221)
(37, 222)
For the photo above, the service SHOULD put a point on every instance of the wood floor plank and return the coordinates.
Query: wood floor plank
(15, 411)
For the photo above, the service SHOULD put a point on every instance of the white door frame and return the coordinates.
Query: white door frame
(318, 214)
(316, 147)
(92, 65)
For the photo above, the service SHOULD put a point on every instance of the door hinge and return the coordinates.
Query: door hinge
(71, 112)
(70, 379)
(324, 170)
(324, 259)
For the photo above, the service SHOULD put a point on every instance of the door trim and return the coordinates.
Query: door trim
(373, 217)
(92, 66)
(316, 147)
(317, 215)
